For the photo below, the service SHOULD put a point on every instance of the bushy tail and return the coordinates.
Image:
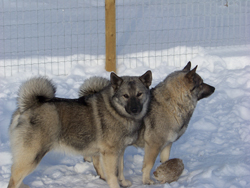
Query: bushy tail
(93, 85)
(34, 91)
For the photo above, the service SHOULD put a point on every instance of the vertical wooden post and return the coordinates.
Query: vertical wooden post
(110, 35)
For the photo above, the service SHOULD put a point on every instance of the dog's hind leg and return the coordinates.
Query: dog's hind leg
(25, 160)
(19, 170)
(151, 152)
(165, 153)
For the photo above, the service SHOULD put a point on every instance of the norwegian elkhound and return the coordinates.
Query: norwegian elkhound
(172, 104)
(101, 124)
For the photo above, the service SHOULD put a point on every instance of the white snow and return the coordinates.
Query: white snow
(215, 149)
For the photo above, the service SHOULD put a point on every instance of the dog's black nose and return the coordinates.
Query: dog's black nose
(213, 88)
(134, 110)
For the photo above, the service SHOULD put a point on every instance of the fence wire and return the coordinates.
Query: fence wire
(50, 37)
(44, 36)
(175, 30)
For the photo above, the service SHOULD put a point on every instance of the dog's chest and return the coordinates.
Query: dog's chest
(129, 140)
(132, 133)
(182, 130)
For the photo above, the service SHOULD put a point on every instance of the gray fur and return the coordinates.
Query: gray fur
(101, 125)
(93, 85)
(30, 91)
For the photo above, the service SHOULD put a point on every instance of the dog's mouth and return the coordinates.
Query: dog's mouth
(134, 111)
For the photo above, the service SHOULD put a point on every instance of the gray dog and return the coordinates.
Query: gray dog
(99, 125)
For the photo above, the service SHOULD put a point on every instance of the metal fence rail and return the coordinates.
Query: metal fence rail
(44, 36)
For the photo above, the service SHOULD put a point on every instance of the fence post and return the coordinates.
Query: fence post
(110, 35)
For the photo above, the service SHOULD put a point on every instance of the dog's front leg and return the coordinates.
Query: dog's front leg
(151, 152)
(97, 165)
(87, 159)
(165, 153)
(122, 180)
(109, 162)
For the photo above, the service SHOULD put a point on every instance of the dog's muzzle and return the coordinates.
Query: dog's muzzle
(134, 106)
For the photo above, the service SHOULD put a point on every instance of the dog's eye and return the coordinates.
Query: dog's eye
(139, 94)
(126, 96)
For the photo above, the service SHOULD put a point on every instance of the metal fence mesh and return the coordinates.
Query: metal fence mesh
(175, 30)
(44, 36)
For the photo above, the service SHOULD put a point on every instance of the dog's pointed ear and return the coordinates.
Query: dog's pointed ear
(146, 78)
(116, 81)
(191, 73)
(187, 67)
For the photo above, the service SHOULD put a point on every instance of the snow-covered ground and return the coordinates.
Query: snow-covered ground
(215, 148)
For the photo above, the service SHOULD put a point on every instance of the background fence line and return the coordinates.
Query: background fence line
(37, 36)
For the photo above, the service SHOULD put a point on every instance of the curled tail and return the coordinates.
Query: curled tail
(34, 91)
(93, 85)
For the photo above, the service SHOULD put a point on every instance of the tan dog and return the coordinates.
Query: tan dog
(172, 104)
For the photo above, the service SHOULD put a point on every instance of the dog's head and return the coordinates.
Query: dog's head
(198, 88)
(131, 94)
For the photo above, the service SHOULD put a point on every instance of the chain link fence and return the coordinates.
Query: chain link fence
(50, 37)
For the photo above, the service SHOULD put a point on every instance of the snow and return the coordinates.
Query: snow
(215, 149)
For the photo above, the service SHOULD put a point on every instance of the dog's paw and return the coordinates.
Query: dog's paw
(87, 159)
(125, 183)
(23, 186)
(148, 182)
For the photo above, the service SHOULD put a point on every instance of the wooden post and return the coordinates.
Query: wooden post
(110, 35)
